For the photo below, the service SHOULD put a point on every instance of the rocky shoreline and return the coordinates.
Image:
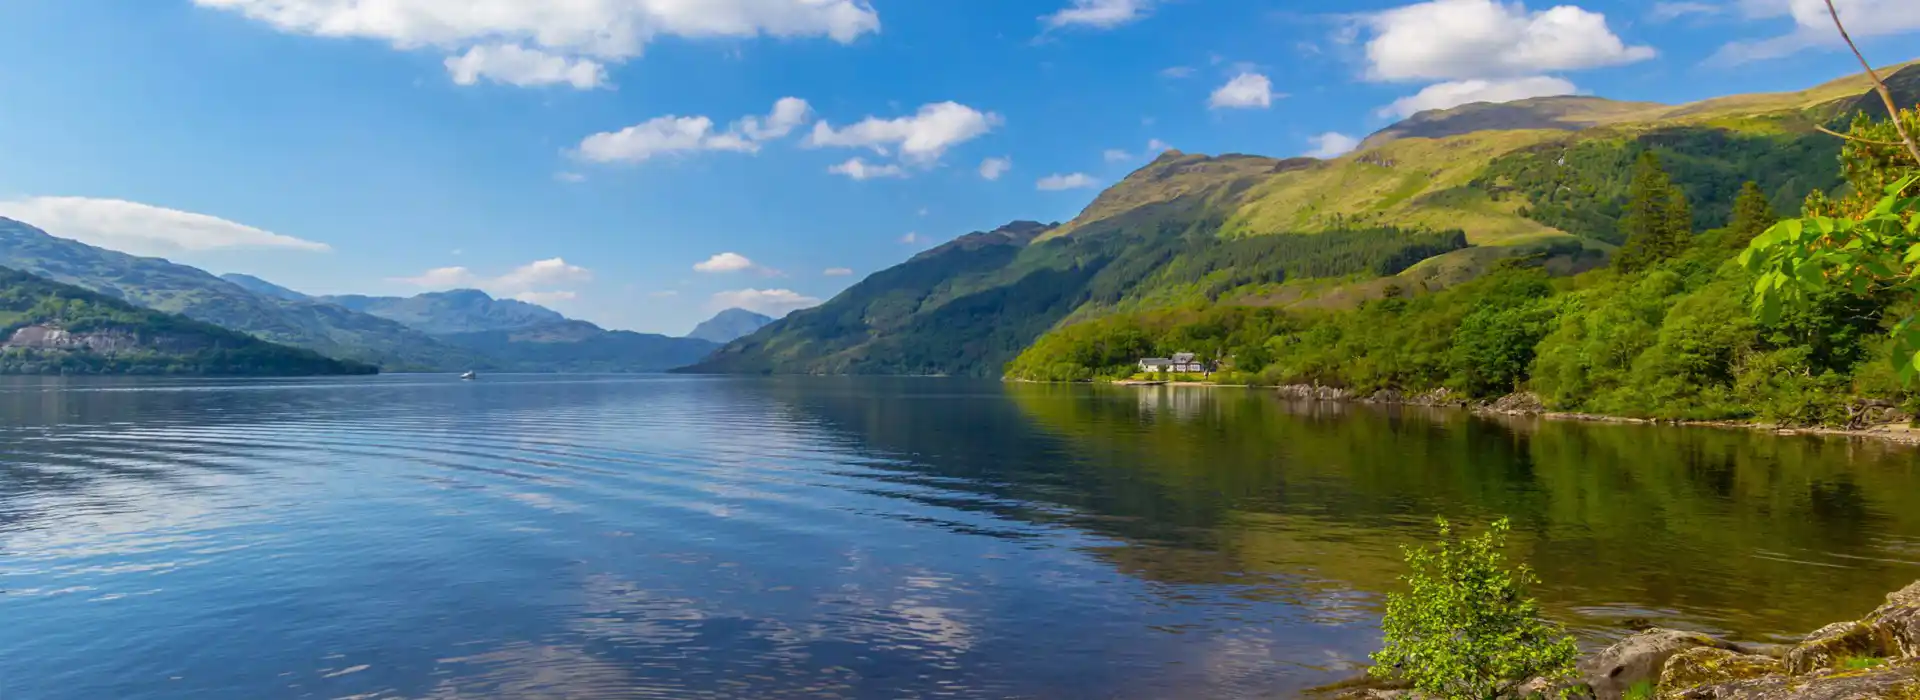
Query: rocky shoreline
(1874, 420)
(1876, 657)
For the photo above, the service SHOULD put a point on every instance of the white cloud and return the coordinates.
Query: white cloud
(837, 271)
(143, 229)
(571, 31)
(1332, 145)
(772, 302)
(661, 135)
(537, 279)
(1176, 72)
(1074, 181)
(1244, 91)
(545, 297)
(1101, 14)
(1157, 147)
(541, 273)
(788, 114)
(860, 169)
(911, 238)
(725, 262)
(1115, 155)
(673, 134)
(993, 168)
(1476, 39)
(1454, 94)
(1813, 26)
(567, 176)
(516, 65)
(1669, 11)
(921, 139)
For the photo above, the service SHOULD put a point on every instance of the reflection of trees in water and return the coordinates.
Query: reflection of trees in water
(1736, 529)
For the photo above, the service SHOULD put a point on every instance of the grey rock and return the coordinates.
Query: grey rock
(1640, 659)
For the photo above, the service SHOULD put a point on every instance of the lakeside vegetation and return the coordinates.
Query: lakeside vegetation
(1665, 332)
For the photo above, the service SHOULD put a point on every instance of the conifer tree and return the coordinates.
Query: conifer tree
(1753, 214)
(1658, 223)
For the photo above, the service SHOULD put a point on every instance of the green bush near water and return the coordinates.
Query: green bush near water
(1466, 628)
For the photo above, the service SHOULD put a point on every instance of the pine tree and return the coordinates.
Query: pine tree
(1653, 221)
(1678, 235)
(1753, 214)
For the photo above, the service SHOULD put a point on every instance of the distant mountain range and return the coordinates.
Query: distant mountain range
(328, 329)
(440, 331)
(728, 325)
(1425, 204)
(1428, 203)
(51, 328)
(457, 311)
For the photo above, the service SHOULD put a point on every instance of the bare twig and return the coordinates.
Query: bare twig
(1851, 137)
(1886, 94)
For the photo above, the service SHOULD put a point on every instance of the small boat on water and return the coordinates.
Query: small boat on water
(469, 376)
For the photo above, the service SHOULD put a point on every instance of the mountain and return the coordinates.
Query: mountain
(1426, 204)
(157, 284)
(263, 287)
(457, 311)
(578, 346)
(53, 328)
(728, 325)
(1566, 113)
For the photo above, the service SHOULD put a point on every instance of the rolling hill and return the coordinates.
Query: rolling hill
(581, 347)
(1426, 204)
(158, 284)
(51, 328)
(263, 287)
(728, 325)
(457, 311)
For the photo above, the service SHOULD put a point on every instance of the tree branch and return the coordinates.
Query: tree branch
(1886, 94)
(1856, 139)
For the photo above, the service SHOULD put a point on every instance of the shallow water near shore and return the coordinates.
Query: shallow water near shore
(687, 537)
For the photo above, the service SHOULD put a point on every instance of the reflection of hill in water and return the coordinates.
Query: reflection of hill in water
(1743, 531)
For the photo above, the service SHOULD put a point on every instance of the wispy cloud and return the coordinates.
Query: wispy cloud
(144, 229)
(1073, 181)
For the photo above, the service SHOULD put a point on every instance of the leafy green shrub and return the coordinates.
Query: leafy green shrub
(1467, 629)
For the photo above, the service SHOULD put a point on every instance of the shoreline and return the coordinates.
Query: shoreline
(1899, 431)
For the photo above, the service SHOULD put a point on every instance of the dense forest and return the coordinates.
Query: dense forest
(1581, 187)
(1666, 331)
(147, 341)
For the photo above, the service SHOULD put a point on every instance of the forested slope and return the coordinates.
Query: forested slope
(1408, 216)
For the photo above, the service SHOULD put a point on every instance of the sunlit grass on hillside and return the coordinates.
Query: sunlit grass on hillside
(1412, 182)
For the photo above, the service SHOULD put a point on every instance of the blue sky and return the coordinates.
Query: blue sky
(598, 156)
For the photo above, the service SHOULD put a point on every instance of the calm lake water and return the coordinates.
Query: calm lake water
(685, 537)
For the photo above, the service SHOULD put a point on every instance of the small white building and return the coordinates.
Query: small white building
(1181, 363)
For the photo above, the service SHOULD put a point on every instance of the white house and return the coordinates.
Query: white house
(1181, 362)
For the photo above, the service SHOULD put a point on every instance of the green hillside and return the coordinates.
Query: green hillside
(457, 311)
(578, 346)
(1428, 204)
(157, 284)
(52, 328)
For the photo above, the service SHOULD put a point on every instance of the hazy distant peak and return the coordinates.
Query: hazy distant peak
(729, 325)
